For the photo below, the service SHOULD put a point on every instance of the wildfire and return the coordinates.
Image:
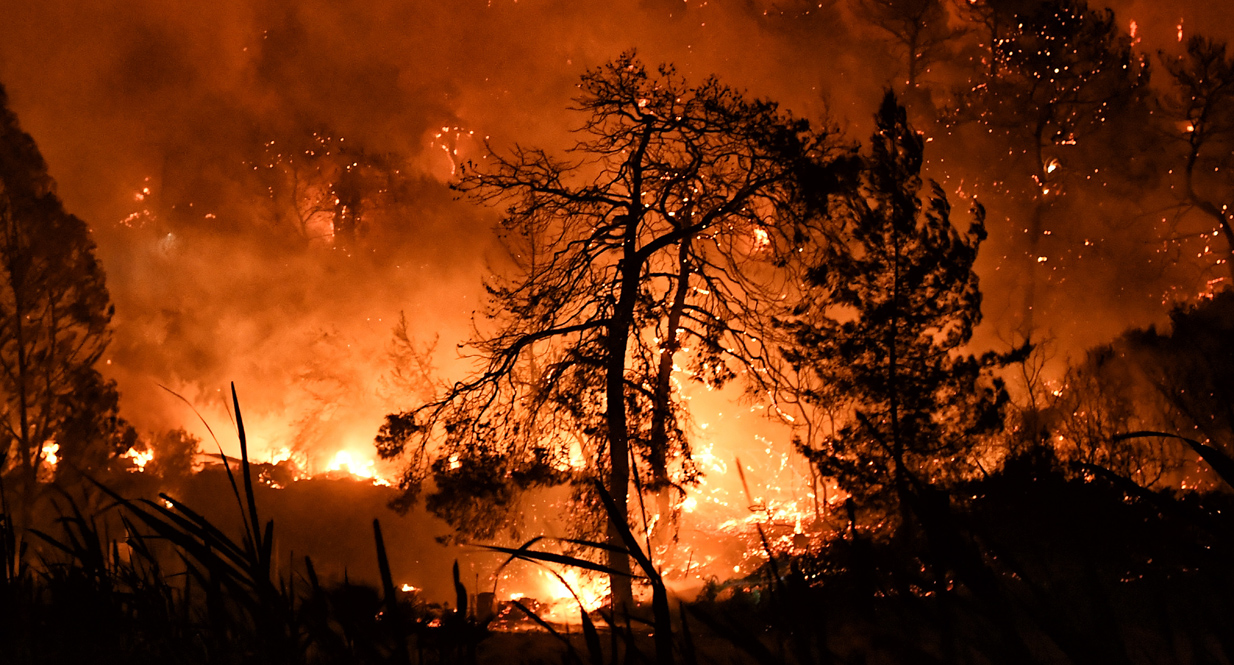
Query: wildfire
(47, 471)
(592, 593)
(565, 591)
(139, 458)
(448, 140)
(345, 462)
(139, 218)
(49, 454)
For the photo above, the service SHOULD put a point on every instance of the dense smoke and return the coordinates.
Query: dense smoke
(210, 287)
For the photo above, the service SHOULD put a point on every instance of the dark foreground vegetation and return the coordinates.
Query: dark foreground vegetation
(1042, 561)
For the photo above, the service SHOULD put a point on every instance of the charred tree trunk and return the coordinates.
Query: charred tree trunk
(1222, 217)
(913, 42)
(630, 268)
(1035, 230)
(619, 437)
(28, 459)
(348, 203)
(658, 453)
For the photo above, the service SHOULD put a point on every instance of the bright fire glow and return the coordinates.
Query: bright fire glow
(49, 453)
(140, 458)
(350, 464)
(47, 470)
(592, 593)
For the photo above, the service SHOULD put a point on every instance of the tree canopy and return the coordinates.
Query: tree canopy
(54, 316)
(1201, 107)
(648, 247)
(882, 331)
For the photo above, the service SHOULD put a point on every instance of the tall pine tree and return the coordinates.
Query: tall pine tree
(894, 305)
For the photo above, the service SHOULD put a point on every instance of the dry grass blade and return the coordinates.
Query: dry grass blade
(571, 652)
(663, 624)
(260, 548)
(537, 556)
(389, 598)
(1219, 461)
(249, 527)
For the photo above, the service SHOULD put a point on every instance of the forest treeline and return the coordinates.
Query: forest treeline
(694, 236)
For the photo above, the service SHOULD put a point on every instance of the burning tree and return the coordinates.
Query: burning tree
(649, 249)
(1202, 108)
(54, 316)
(883, 329)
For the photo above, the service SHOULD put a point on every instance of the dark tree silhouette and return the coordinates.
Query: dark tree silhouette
(919, 27)
(996, 18)
(884, 328)
(1191, 367)
(652, 244)
(173, 454)
(323, 186)
(1103, 396)
(1175, 382)
(1059, 71)
(54, 316)
(1201, 108)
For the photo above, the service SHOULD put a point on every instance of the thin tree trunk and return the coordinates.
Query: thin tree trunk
(897, 445)
(664, 375)
(1036, 227)
(622, 320)
(913, 48)
(1027, 318)
(619, 440)
(29, 462)
(1220, 216)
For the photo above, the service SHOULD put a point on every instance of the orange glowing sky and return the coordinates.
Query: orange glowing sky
(125, 96)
